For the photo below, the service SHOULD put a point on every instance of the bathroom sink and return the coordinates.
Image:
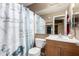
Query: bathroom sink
(63, 38)
(53, 36)
(59, 37)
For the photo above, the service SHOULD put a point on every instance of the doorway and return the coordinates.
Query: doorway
(59, 25)
(48, 29)
(56, 29)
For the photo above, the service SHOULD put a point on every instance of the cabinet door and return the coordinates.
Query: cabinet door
(52, 51)
(70, 52)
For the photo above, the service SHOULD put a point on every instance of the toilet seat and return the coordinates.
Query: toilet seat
(34, 51)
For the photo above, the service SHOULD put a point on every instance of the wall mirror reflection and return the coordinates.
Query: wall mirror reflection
(75, 24)
(59, 27)
(75, 20)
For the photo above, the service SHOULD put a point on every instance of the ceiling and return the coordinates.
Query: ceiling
(46, 8)
(43, 9)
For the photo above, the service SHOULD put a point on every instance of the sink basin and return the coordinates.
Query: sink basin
(63, 38)
(53, 36)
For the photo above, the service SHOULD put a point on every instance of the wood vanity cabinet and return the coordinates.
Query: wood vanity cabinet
(53, 51)
(58, 48)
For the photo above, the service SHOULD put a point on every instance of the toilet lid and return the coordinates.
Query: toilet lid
(34, 50)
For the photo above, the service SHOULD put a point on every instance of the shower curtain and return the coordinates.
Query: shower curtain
(16, 29)
(39, 24)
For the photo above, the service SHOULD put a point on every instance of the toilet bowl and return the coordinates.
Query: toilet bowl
(36, 51)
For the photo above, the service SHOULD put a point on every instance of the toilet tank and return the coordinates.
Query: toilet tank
(40, 42)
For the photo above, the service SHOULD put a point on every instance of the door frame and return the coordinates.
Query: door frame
(54, 22)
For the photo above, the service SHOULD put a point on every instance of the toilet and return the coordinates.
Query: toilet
(36, 51)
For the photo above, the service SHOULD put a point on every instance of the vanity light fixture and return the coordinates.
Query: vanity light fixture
(73, 5)
(49, 17)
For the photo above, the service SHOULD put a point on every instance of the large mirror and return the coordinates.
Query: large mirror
(75, 20)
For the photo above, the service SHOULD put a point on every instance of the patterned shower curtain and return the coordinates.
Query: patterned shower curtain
(16, 28)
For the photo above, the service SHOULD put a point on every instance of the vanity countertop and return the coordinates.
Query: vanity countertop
(62, 38)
